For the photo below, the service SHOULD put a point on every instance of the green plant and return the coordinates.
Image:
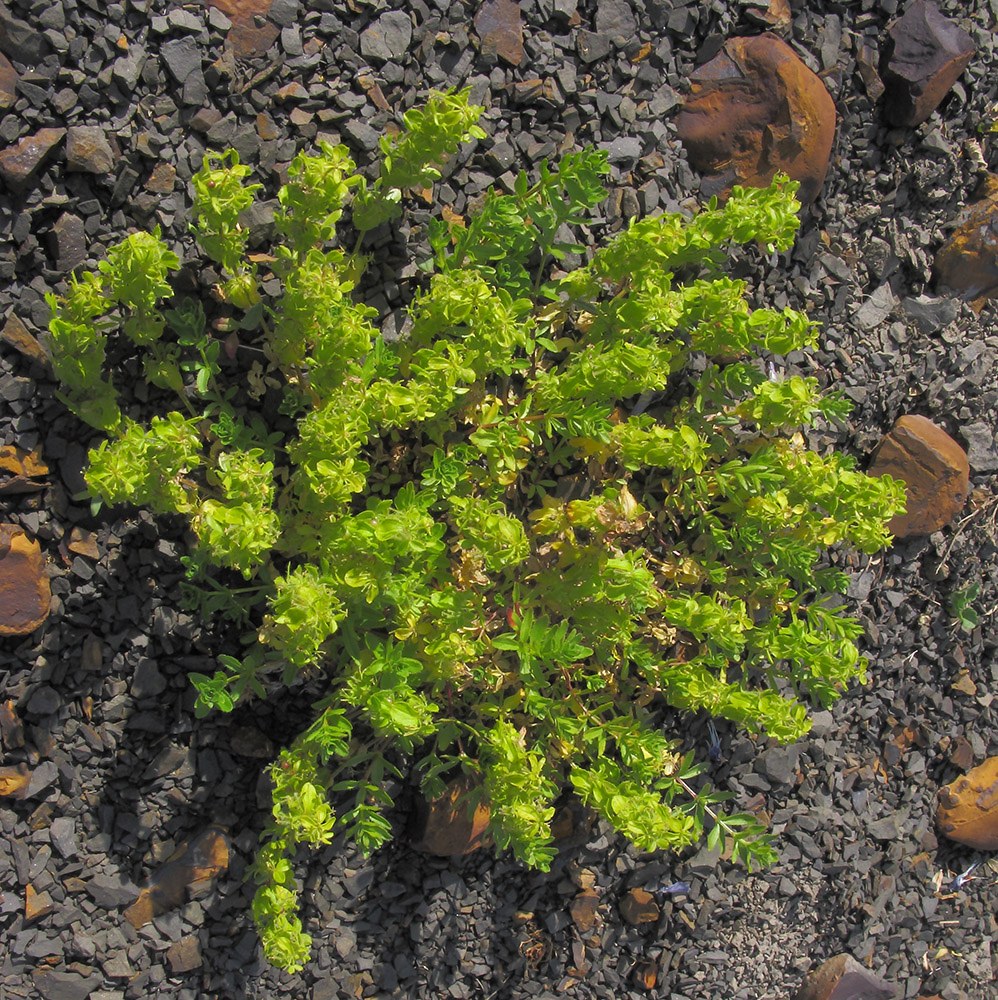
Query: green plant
(414, 541)
(960, 601)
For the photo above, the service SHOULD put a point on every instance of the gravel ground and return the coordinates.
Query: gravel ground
(121, 772)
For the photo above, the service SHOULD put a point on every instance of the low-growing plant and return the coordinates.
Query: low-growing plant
(491, 556)
(961, 601)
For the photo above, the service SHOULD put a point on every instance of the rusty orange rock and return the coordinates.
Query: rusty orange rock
(968, 807)
(14, 781)
(20, 162)
(753, 110)
(967, 263)
(24, 587)
(245, 38)
(36, 904)
(192, 866)
(934, 469)
(444, 827)
(583, 910)
(500, 28)
(639, 907)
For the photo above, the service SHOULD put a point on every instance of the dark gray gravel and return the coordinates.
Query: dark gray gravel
(122, 772)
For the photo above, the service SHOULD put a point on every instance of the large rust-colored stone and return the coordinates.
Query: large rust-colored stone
(967, 263)
(192, 866)
(924, 55)
(443, 826)
(968, 807)
(753, 110)
(246, 38)
(934, 469)
(499, 27)
(639, 907)
(19, 163)
(24, 587)
(843, 978)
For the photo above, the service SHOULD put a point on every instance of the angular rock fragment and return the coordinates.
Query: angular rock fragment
(8, 82)
(924, 55)
(387, 37)
(36, 904)
(583, 910)
(934, 469)
(24, 587)
(88, 151)
(500, 28)
(967, 263)
(753, 110)
(185, 955)
(69, 242)
(54, 985)
(25, 471)
(21, 339)
(193, 866)
(843, 978)
(968, 807)
(19, 163)
(639, 907)
(444, 826)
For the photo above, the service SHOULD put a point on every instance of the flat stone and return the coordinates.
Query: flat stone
(43, 777)
(615, 19)
(500, 28)
(639, 907)
(20, 163)
(982, 446)
(292, 91)
(843, 978)
(69, 242)
(967, 263)
(54, 985)
(185, 955)
(930, 314)
(62, 836)
(934, 469)
(753, 110)
(583, 910)
(22, 339)
(193, 865)
(44, 700)
(443, 825)
(36, 904)
(147, 680)
(19, 40)
(24, 586)
(88, 150)
(182, 57)
(112, 891)
(162, 179)
(592, 46)
(968, 807)
(924, 55)
(387, 38)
